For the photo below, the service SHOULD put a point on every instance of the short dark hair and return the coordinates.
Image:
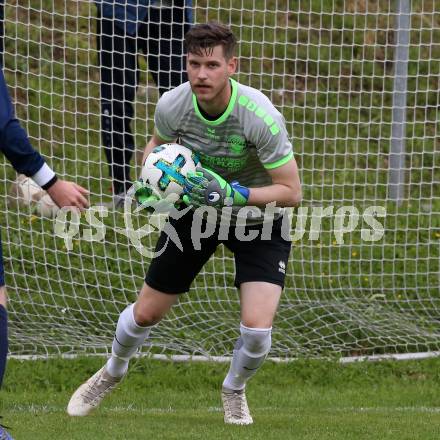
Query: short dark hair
(202, 38)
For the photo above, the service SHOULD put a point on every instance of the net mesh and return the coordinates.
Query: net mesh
(329, 68)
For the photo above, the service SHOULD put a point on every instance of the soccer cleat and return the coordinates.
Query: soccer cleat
(236, 407)
(89, 395)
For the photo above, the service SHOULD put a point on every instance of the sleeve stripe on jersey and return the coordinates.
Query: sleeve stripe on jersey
(162, 136)
(278, 163)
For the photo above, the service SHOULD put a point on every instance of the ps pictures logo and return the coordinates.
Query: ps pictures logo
(205, 220)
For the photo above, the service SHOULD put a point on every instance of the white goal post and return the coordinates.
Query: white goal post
(358, 84)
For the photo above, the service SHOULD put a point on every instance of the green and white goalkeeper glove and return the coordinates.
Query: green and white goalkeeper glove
(205, 187)
(147, 199)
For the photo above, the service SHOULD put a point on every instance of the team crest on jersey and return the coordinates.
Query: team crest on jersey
(236, 143)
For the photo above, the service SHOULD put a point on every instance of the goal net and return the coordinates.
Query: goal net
(364, 272)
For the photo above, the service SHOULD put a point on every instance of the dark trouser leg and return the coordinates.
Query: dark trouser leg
(166, 28)
(3, 341)
(2, 30)
(119, 78)
(3, 319)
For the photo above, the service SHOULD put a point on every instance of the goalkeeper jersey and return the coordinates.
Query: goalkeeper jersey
(249, 138)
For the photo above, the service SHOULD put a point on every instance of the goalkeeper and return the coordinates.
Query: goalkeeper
(15, 145)
(244, 148)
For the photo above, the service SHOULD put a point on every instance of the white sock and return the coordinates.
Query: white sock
(129, 336)
(250, 352)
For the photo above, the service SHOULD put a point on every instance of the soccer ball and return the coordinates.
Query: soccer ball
(24, 192)
(166, 167)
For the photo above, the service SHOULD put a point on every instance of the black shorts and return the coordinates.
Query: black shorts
(174, 269)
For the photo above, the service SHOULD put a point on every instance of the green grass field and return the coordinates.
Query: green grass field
(328, 67)
(304, 400)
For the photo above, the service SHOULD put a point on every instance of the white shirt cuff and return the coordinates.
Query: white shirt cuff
(43, 175)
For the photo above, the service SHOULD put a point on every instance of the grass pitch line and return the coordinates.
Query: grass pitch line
(48, 409)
